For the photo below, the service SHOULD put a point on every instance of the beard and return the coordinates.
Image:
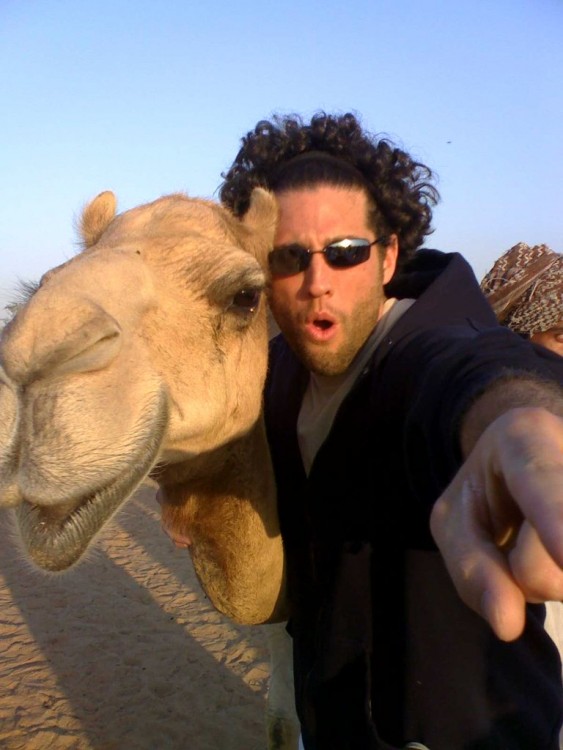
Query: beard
(324, 359)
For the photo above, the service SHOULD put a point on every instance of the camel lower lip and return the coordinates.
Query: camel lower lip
(52, 538)
(55, 539)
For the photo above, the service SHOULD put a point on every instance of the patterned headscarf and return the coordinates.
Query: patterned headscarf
(525, 288)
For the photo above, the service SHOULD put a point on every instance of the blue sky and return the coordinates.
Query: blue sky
(148, 98)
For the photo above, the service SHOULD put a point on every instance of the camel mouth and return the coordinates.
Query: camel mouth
(57, 515)
(57, 536)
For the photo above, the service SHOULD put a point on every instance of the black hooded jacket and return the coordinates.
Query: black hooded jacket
(384, 650)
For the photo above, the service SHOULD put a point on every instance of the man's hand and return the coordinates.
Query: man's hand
(499, 524)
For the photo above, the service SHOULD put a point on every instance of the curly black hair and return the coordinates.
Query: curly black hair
(333, 149)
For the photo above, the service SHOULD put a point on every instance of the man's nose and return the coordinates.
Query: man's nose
(318, 279)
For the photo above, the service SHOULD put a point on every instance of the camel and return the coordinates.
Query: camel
(145, 355)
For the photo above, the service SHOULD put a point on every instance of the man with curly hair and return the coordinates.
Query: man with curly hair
(403, 419)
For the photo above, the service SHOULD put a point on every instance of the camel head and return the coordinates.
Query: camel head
(146, 349)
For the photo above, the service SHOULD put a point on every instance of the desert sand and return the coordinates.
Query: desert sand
(124, 651)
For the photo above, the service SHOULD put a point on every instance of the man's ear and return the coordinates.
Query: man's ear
(390, 258)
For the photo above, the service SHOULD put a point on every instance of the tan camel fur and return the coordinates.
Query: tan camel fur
(146, 354)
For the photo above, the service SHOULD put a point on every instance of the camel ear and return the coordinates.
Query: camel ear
(96, 217)
(261, 219)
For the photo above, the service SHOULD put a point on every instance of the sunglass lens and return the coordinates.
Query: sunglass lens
(343, 257)
(292, 259)
(288, 260)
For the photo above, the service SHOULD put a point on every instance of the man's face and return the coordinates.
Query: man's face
(326, 314)
(551, 339)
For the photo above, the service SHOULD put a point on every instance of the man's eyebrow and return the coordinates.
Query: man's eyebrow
(290, 244)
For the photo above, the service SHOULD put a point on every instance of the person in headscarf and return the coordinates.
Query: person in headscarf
(525, 290)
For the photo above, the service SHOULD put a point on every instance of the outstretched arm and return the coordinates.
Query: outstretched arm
(499, 524)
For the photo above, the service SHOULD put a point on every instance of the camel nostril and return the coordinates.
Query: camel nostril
(89, 340)
(93, 349)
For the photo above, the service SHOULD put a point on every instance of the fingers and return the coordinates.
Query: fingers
(539, 495)
(538, 575)
(499, 523)
(502, 603)
(528, 455)
(478, 568)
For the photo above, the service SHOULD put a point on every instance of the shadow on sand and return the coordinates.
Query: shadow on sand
(133, 654)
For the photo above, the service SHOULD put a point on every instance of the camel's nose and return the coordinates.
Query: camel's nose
(79, 338)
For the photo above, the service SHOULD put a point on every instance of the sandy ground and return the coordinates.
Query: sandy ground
(124, 652)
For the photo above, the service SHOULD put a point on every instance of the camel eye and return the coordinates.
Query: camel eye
(246, 300)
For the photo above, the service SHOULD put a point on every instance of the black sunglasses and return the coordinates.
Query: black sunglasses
(291, 259)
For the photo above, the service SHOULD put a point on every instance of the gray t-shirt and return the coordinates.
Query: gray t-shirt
(325, 394)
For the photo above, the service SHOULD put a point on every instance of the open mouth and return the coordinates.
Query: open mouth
(320, 327)
(56, 515)
(323, 325)
(57, 536)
